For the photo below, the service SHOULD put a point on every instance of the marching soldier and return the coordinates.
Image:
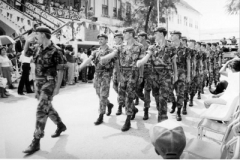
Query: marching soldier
(208, 50)
(161, 58)
(199, 69)
(193, 84)
(49, 63)
(183, 77)
(217, 58)
(128, 54)
(204, 61)
(118, 37)
(102, 77)
(212, 64)
(142, 38)
(146, 77)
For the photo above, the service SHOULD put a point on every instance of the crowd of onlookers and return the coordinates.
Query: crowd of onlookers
(13, 61)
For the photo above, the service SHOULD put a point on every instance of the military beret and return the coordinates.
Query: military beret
(129, 29)
(43, 30)
(118, 35)
(142, 34)
(176, 32)
(184, 38)
(102, 35)
(217, 43)
(199, 43)
(204, 44)
(160, 29)
(209, 44)
(214, 44)
(169, 41)
(148, 41)
(192, 40)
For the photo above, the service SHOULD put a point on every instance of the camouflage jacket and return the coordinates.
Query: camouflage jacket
(211, 57)
(109, 65)
(192, 53)
(161, 56)
(199, 57)
(46, 60)
(204, 59)
(128, 57)
(182, 56)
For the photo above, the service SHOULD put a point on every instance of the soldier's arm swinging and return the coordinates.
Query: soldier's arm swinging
(60, 68)
(188, 70)
(85, 63)
(194, 67)
(175, 72)
(109, 56)
(144, 59)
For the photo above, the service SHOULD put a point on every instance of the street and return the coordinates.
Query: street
(78, 107)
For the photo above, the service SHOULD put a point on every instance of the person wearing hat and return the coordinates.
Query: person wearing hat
(127, 54)
(118, 37)
(183, 77)
(145, 77)
(142, 37)
(184, 41)
(168, 139)
(163, 61)
(49, 64)
(193, 84)
(204, 62)
(102, 77)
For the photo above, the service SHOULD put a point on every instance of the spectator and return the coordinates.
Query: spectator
(233, 40)
(90, 13)
(19, 46)
(6, 67)
(220, 88)
(11, 54)
(83, 57)
(70, 63)
(233, 83)
(168, 139)
(224, 41)
(26, 68)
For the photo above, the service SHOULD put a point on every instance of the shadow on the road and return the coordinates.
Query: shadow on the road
(12, 99)
(141, 131)
(58, 150)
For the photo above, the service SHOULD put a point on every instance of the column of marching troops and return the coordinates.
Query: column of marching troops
(185, 66)
(134, 66)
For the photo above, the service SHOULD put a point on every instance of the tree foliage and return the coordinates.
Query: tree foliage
(233, 6)
(144, 15)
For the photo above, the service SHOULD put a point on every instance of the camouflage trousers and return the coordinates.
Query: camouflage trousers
(44, 93)
(181, 87)
(171, 97)
(161, 78)
(147, 86)
(102, 86)
(127, 89)
(205, 78)
(115, 80)
(211, 76)
(193, 85)
(199, 81)
(216, 74)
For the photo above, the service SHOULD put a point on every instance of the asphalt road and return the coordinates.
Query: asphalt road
(78, 107)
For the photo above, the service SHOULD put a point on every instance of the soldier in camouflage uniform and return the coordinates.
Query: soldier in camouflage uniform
(116, 72)
(102, 77)
(193, 84)
(217, 67)
(142, 38)
(128, 54)
(208, 50)
(212, 64)
(162, 58)
(204, 61)
(49, 72)
(199, 69)
(183, 77)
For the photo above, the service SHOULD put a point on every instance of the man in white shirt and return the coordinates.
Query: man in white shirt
(25, 66)
(232, 74)
(83, 56)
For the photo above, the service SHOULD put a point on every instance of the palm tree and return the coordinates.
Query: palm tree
(233, 6)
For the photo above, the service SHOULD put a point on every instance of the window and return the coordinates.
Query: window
(105, 7)
(185, 21)
(114, 8)
(179, 19)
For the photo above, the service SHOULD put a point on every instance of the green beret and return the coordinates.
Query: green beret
(129, 29)
(184, 38)
(160, 29)
(118, 35)
(43, 30)
(176, 32)
(192, 40)
(142, 34)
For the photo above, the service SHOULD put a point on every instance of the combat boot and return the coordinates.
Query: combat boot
(119, 111)
(136, 101)
(134, 113)
(179, 117)
(99, 120)
(127, 124)
(173, 107)
(184, 111)
(162, 117)
(191, 100)
(145, 117)
(60, 128)
(199, 95)
(34, 146)
(109, 106)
